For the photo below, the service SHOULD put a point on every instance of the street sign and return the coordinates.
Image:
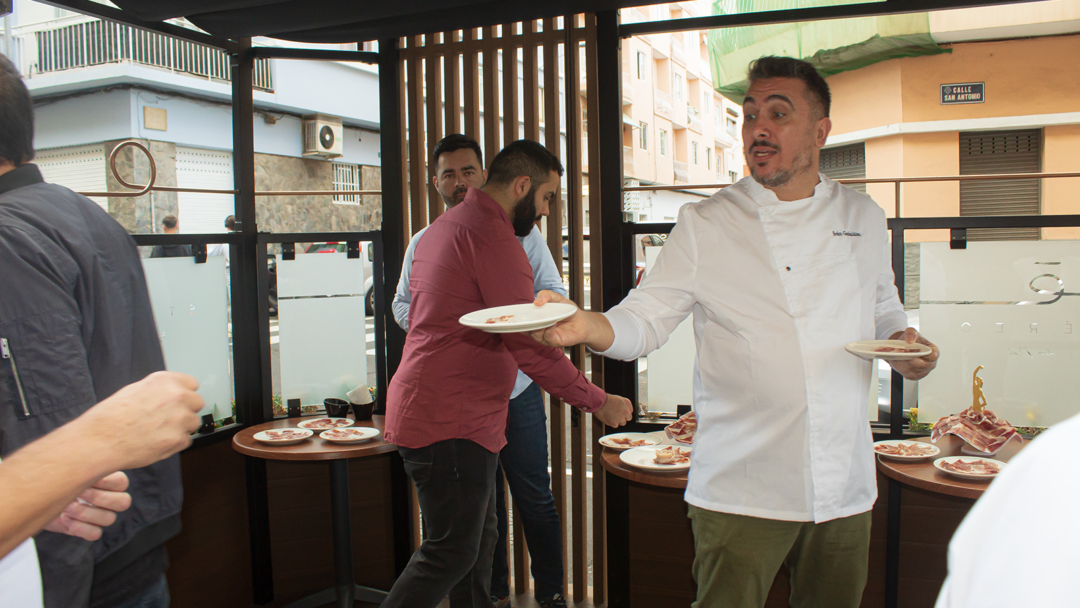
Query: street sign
(966, 92)
(5, 7)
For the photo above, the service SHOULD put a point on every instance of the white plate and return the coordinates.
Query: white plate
(935, 450)
(307, 423)
(263, 437)
(527, 317)
(866, 349)
(939, 461)
(358, 434)
(649, 437)
(642, 458)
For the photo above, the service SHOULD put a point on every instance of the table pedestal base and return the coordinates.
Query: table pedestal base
(345, 590)
(345, 598)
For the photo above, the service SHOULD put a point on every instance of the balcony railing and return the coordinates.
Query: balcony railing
(662, 104)
(91, 43)
(693, 119)
(682, 174)
(627, 160)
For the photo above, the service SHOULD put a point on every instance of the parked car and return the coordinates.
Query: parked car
(367, 253)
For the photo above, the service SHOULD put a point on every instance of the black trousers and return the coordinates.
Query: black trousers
(455, 484)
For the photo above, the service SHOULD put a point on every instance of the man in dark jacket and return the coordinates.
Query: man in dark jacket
(76, 326)
(171, 225)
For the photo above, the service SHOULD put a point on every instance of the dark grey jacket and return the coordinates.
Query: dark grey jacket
(75, 327)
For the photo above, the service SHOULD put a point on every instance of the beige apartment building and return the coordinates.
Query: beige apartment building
(676, 128)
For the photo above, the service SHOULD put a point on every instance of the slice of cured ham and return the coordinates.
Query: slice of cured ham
(983, 430)
(905, 449)
(683, 429)
(975, 467)
(672, 455)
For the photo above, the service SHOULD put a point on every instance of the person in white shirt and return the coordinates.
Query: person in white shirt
(779, 270)
(524, 461)
(1017, 545)
(71, 480)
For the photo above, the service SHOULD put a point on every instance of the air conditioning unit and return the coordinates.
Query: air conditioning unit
(323, 136)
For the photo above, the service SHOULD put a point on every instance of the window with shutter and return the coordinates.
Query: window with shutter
(80, 168)
(845, 162)
(209, 169)
(996, 153)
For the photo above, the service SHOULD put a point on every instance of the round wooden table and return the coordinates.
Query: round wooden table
(345, 590)
(612, 464)
(923, 474)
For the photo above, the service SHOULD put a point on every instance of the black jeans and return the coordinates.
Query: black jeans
(524, 461)
(455, 484)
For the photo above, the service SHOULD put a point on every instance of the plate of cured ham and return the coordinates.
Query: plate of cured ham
(970, 467)
(983, 431)
(683, 429)
(887, 350)
(350, 435)
(325, 424)
(658, 458)
(282, 436)
(625, 441)
(517, 317)
(898, 449)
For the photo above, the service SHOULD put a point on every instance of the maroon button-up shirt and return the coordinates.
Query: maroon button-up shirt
(454, 382)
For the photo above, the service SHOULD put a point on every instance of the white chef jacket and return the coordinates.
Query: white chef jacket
(776, 290)
(1017, 546)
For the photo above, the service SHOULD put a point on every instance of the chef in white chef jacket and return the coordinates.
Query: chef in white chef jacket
(779, 271)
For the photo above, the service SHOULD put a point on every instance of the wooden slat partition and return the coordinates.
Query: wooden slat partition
(433, 71)
(450, 75)
(599, 485)
(417, 189)
(557, 409)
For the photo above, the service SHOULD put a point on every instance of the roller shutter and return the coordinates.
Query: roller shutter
(80, 168)
(212, 169)
(845, 162)
(1000, 152)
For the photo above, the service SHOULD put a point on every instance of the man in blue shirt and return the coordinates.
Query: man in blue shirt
(524, 461)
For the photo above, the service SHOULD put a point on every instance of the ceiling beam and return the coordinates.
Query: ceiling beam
(277, 52)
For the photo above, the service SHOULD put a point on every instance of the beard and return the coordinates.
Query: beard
(525, 215)
(455, 197)
(780, 178)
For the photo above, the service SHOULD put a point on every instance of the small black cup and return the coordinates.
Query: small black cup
(336, 408)
(363, 412)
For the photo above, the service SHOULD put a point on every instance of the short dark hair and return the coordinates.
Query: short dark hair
(523, 157)
(169, 222)
(788, 67)
(230, 222)
(16, 116)
(453, 143)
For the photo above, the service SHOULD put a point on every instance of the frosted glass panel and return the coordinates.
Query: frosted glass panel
(671, 367)
(321, 326)
(191, 312)
(1012, 308)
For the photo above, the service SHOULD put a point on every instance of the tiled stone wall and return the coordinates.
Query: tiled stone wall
(311, 213)
(142, 215)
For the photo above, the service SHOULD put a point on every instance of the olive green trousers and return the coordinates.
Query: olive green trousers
(736, 558)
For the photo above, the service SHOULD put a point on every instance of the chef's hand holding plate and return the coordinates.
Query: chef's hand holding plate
(616, 412)
(589, 328)
(915, 369)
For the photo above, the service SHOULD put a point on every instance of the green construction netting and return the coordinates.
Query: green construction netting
(833, 46)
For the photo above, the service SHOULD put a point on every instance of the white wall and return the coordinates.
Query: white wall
(83, 120)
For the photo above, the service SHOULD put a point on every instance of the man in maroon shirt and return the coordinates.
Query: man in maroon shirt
(447, 403)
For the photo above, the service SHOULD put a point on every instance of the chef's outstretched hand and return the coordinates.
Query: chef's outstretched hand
(616, 412)
(590, 328)
(915, 369)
